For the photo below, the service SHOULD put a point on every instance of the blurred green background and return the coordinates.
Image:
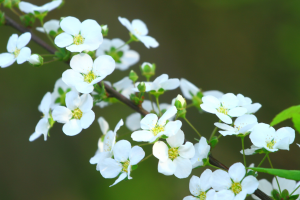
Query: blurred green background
(250, 47)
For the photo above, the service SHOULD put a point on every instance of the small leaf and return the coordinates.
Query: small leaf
(296, 121)
(61, 91)
(134, 167)
(284, 194)
(288, 174)
(275, 194)
(294, 197)
(286, 114)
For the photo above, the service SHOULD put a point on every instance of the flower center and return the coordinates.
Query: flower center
(173, 153)
(16, 52)
(202, 195)
(222, 110)
(236, 188)
(78, 39)
(157, 129)
(125, 166)
(77, 113)
(271, 144)
(89, 77)
(137, 32)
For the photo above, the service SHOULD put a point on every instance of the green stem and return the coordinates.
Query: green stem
(295, 190)
(157, 102)
(190, 105)
(243, 146)
(213, 133)
(213, 166)
(275, 176)
(46, 55)
(50, 61)
(147, 157)
(48, 36)
(192, 126)
(220, 136)
(261, 162)
(129, 41)
(144, 144)
(15, 12)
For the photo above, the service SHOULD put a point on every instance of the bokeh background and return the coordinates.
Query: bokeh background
(250, 47)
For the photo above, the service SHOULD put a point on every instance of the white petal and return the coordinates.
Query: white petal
(87, 119)
(241, 196)
(12, 43)
(288, 131)
(250, 184)
(86, 102)
(42, 126)
(128, 59)
(187, 150)
(253, 108)
(172, 128)
(170, 84)
(187, 88)
(167, 115)
(224, 126)
(72, 127)
(229, 100)
(259, 134)
(177, 139)
(264, 186)
(23, 40)
(148, 41)
(236, 112)
(121, 177)
(6, 59)
(220, 180)
(72, 100)
(225, 194)
(214, 93)
(142, 136)
(212, 101)
(82, 63)
(160, 151)
(205, 180)
(103, 125)
(139, 27)
(70, 25)
(72, 78)
(136, 155)
(63, 40)
(90, 26)
(122, 150)
(34, 136)
(45, 103)
(78, 48)
(24, 55)
(110, 168)
(61, 114)
(51, 25)
(195, 186)
(149, 121)
(224, 118)
(109, 141)
(133, 121)
(285, 184)
(167, 167)
(183, 167)
(190, 198)
(53, 4)
(125, 23)
(237, 172)
(26, 7)
(104, 65)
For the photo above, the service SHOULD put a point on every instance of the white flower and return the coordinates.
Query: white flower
(36, 60)
(124, 158)
(78, 37)
(200, 187)
(124, 57)
(242, 125)
(30, 8)
(43, 125)
(154, 128)
(265, 136)
(124, 86)
(246, 102)
(85, 73)
(175, 157)
(285, 184)
(215, 93)
(51, 25)
(139, 29)
(16, 50)
(234, 182)
(105, 143)
(59, 93)
(250, 151)
(77, 115)
(201, 151)
(225, 108)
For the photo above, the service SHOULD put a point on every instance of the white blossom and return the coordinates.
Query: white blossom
(235, 182)
(242, 125)
(250, 151)
(201, 151)
(153, 128)
(43, 125)
(265, 136)
(77, 115)
(51, 25)
(225, 107)
(123, 56)
(85, 72)
(59, 93)
(36, 60)
(174, 158)
(139, 29)
(77, 36)
(124, 86)
(200, 187)
(16, 50)
(124, 158)
(246, 102)
(30, 8)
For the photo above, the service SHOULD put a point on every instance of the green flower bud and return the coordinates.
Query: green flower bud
(28, 20)
(104, 30)
(7, 4)
(142, 87)
(148, 69)
(133, 76)
(15, 3)
(180, 104)
(2, 18)
(36, 60)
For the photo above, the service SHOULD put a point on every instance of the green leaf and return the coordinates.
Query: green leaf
(288, 174)
(214, 141)
(294, 197)
(284, 194)
(134, 167)
(61, 91)
(275, 194)
(296, 121)
(286, 114)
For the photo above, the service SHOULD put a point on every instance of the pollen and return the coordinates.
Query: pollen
(125, 166)
(173, 153)
(157, 129)
(89, 77)
(78, 39)
(202, 195)
(271, 144)
(136, 31)
(77, 113)
(222, 110)
(16, 52)
(236, 188)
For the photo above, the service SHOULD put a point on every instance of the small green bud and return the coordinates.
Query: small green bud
(104, 30)
(148, 69)
(15, 3)
(40, 15)
(214, 141)
(133, 76)
(275, 194)
(28, 20)
(2, 18)
(36, 60)
(7, 4)
(142, 87)
(285, 194)
(180, 104)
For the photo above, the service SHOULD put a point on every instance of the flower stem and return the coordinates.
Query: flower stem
(190, 105)
(295, 190)
(261, 162)
(50, 61)
(15, 12)
(157, 102)
(46, 55)
(213, 133)
(144, 144)
(192, 126)
(275, 176)
(147, 157)
(213, 166)
(129, 41)
(243, 146)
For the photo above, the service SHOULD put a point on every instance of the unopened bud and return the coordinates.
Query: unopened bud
(36, 60)
(180, 102)
(15, 3)
(148, 69)
(7, 3)
(142, 87)
(133, 76)
(104, 30)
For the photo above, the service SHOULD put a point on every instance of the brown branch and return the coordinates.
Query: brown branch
(112, 92)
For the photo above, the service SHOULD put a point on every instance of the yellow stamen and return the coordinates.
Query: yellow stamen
(271, 144)
(222, 110)
(236, 188)
(89, 77)
(173, 153)
(125, 166)
(16, 52)
(157, 129)
(77, 113)
(78, 39)
(202, 195)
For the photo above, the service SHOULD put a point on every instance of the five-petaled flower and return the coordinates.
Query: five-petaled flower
(30, 8)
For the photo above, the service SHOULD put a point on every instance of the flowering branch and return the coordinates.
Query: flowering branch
(113, 93)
